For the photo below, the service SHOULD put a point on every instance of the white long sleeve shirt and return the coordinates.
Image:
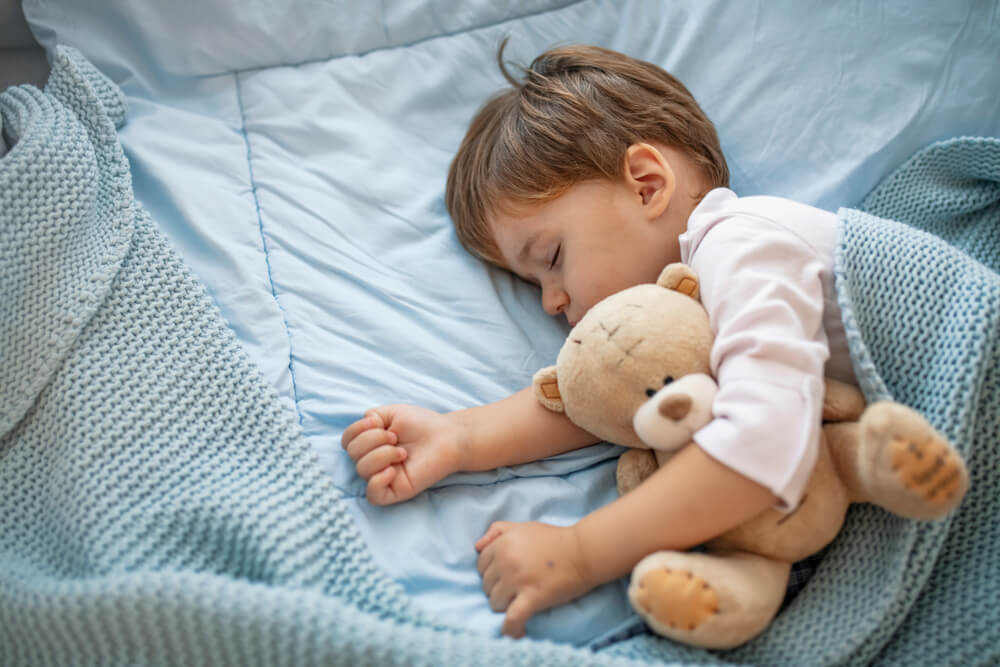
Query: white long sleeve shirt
(765, 265)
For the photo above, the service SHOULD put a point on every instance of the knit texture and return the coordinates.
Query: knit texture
(159, 506)
(921, 304)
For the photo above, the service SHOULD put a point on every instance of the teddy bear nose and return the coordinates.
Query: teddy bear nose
(675, 406)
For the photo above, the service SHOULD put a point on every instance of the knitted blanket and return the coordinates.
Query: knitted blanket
(158, 506)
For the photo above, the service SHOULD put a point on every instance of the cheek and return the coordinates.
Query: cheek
(601, 285)
(617, 275)
(598, 276)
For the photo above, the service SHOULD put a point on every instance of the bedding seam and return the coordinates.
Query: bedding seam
(263, 241)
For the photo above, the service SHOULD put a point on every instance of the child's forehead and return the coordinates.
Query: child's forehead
(515, 222)
(537, 206)
(521, 226)
(507, 209)
(569, 206)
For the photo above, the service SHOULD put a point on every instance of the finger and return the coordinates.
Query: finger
(500, 597)
(352, 431)
(379, 417)
(379, 491)
(520, 609)
(376, 416)
(485, 560)
(378, 459)
(494, 531)
(490, 579)
(384, 414)
(368, 441)
(487, 538)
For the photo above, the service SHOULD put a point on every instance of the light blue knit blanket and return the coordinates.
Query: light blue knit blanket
(158, 506)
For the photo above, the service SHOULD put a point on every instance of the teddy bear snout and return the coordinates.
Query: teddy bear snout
(666, 421)
(676, 406)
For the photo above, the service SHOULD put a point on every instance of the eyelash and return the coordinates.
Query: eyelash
(555, 257)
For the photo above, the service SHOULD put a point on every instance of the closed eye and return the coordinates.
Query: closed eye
(555, 257)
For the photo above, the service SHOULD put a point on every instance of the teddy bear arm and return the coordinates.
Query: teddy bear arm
(634, 466)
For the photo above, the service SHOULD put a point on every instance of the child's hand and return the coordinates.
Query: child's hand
(528, 568)
(402, 449)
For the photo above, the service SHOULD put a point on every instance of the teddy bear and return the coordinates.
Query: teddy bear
(635, 371)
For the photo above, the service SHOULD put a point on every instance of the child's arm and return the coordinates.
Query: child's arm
(530, 567)
(403, 449)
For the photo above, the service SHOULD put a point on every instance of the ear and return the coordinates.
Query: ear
(546, 386)
(680, 278)
(650, 176)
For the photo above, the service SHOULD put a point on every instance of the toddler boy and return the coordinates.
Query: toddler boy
(588, 177)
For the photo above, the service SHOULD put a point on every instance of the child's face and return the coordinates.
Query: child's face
(592, 241)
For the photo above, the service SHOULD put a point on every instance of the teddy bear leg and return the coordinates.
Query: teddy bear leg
(842, 402)
(895, 459)
(708, 600)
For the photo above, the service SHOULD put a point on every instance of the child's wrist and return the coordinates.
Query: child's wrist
(465, 459)
(587, 569)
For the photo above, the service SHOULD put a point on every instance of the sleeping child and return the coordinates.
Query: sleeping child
(586, 178)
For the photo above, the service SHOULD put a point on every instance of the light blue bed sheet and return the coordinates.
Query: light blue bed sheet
(296, 155)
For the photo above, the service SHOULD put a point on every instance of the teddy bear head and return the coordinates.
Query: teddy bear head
(633, 346)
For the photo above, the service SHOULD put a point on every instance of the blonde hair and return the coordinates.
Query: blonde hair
(570, 120)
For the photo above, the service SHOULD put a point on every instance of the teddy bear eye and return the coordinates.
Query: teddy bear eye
(650, 392)
(667, 380)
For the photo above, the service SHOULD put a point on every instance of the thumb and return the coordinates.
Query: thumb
(382, 415)
(521, 608)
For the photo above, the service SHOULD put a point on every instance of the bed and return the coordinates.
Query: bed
(294, 156)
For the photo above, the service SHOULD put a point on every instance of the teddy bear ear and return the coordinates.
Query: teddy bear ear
(680, 278)
(546, 386)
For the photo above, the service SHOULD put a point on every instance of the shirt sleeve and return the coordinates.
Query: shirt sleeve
(762, 287)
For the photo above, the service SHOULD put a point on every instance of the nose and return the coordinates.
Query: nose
(676, 406)
(554, 300)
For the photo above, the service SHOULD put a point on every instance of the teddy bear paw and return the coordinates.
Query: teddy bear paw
(917, 472)
(928, 468)
(676, 598)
